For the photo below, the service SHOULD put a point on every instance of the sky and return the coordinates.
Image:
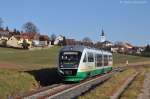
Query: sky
(121, 20)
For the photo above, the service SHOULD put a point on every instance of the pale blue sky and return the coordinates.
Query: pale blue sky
(122, 20)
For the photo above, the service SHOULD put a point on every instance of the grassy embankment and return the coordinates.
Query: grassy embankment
(107, 89)
(14, 61)
(13, 82)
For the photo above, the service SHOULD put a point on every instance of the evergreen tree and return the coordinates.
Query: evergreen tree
(15, 30)
(147, 48)
(146, 52)
(7, 29)
(1, 23)
(53, 37)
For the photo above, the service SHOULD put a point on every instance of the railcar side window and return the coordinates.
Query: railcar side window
(105, 60)
(110, 58)
(90, 57)
(99, 60)
(85, 58)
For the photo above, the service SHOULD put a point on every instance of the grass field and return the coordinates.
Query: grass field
(48, 58)
(121, 59)
(29, 59)
(22, 70)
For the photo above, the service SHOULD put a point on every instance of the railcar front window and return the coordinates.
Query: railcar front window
(69, 59)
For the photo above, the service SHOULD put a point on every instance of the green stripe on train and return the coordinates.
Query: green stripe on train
(83, 75)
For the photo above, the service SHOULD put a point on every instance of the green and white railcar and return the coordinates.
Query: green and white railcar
(79, 62)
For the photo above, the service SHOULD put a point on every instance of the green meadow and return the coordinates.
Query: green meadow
(29, 59)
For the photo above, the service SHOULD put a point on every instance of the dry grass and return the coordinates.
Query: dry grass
(135, 88)
(105, 90)
(13, 82)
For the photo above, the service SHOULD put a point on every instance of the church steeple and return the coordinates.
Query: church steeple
(102, 37)
(103, 34)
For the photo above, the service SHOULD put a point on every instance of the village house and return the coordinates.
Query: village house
(122, 47)
(58, 39)
(107, 43)
(17, 40)
(4, 36)
(14, 42)
(42, 41)
(4, 33)
(137, 50)
(70, 42)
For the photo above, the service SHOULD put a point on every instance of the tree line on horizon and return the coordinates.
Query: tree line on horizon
(30, 27)
(146, 51)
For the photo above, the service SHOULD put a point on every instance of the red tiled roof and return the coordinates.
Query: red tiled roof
(29, 36)
(17, 37)
(43, 38)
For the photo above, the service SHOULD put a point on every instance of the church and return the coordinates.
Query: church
(103, 40)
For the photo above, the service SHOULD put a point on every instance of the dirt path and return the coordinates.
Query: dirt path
(23, 67)
(18, 67)
(10, 66)
(145, 92)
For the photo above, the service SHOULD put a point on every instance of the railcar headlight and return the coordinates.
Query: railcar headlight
(76, 65)
(61, 71)
(61, 65)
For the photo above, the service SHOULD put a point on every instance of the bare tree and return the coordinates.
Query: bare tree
(53, 37)
(87, 39)
(30, 27)
(1, 22)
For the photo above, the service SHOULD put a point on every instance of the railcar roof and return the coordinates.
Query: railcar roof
(73, 47)
(78, 48)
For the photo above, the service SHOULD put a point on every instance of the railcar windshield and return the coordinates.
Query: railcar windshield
(69, 59)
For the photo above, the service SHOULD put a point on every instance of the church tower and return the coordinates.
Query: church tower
(102, 37)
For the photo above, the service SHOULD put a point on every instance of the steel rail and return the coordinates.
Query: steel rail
(67, 91)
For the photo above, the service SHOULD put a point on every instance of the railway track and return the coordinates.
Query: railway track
(67, 91)
(124, 86)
